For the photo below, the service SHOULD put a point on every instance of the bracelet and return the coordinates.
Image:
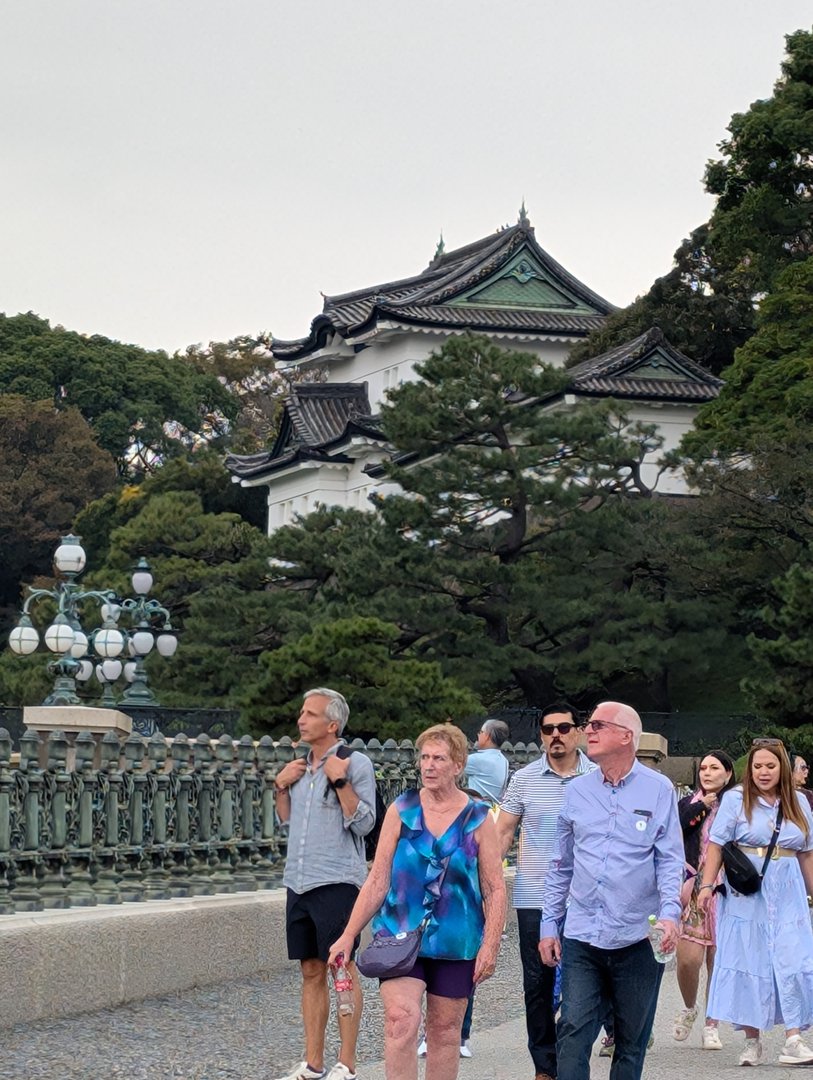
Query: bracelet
(280, 790)
(701, 887)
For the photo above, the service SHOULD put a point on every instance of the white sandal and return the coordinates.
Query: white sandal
(683, 1024)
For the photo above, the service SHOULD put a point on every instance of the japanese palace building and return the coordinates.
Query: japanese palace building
(504, 286)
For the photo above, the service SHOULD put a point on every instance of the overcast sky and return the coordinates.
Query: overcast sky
(179, 171)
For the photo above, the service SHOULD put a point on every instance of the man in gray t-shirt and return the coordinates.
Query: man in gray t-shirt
(329, 803)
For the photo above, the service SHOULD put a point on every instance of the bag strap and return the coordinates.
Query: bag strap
(772, 844)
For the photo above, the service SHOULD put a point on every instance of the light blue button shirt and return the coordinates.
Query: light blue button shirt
(487, 773)
(619, 859)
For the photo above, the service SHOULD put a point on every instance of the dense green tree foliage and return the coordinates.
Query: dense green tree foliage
(390, 695)
(781, 684)
(50, 466)
(762, 222)
(245, 366)
(769, 388)
(763, 182)
(143, 406)
(522, 555)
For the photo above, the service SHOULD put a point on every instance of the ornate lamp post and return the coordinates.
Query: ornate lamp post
(77, 650)
(144, 614)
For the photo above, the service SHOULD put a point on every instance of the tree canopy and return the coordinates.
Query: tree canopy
(761, 223)
(142, 406)
(51, 466)
(520, 555)
(768, 390)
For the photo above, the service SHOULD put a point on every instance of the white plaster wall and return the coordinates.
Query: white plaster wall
(391, 356)
(673, 421)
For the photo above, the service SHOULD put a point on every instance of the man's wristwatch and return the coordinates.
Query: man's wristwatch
(340, 783)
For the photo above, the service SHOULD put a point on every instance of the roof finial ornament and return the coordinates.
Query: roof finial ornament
(441, 248)
(523, 219)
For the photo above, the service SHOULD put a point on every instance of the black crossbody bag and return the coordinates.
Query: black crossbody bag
(740, 872)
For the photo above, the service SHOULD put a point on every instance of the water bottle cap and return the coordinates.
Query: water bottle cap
(653, 919)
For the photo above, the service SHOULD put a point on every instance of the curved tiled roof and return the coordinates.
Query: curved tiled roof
(317, 419)
(648, 367)
(425, 299)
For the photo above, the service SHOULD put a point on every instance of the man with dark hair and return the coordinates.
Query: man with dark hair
(329, 803)
(487, 766)
(532, 803)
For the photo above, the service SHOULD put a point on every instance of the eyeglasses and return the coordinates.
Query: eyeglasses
(563, 729)
(767, 742)
(599, 725)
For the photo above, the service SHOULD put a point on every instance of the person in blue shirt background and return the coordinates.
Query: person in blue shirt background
(619, 859)
(487, 768)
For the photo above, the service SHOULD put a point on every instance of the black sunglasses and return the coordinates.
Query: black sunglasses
(767, 742)
(563, 729)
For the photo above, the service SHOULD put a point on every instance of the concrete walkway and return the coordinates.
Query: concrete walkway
(250, 1029)
(500, 1053)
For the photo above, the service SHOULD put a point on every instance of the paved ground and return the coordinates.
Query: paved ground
(250, 1030)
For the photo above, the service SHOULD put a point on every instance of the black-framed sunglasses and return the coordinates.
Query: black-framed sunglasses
(766, 742)
(563, 729)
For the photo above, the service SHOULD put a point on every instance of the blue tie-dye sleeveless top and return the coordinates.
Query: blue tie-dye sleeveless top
(455, 929)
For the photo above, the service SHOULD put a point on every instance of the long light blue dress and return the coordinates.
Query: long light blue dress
(763, 970)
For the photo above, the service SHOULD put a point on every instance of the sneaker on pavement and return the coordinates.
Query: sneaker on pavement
(752, 1054)
(465, 1049)
(795, 1052)
(711, 1038)
(607, 1046)
(303, 1071)
(422, 1048)
(683, 1024)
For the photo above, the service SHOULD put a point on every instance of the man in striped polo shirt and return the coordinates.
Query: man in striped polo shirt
(532, 803)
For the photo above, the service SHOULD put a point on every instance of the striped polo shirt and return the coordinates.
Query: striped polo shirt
(535, 794)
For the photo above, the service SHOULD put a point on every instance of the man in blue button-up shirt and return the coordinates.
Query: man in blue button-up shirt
(619, 859)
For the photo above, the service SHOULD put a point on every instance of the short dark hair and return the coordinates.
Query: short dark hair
(560, 707)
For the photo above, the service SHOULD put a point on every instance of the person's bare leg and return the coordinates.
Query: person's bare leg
(349, 1025)
(689, 962)
(402, 1016)
(315, 1010)
(444, 1017)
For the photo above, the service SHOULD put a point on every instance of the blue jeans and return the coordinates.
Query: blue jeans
(627, 980)
(537, 981)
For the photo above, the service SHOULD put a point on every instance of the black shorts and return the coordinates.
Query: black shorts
(314, 920)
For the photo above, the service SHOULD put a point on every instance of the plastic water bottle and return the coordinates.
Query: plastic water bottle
(343, 987)
(655, 939)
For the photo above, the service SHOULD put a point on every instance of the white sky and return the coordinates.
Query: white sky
(176, 171)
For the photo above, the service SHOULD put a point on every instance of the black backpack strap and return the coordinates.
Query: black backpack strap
(774, 838)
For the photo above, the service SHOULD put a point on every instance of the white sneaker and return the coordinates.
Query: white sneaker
(795, 1052)
(711, 1038)
(303, 1071)
(340, 1072)
(752, 1054)
(683, 1024)
(422, 1048)
(465, 1049)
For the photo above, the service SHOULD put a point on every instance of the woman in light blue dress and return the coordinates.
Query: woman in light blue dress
(763, 972)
